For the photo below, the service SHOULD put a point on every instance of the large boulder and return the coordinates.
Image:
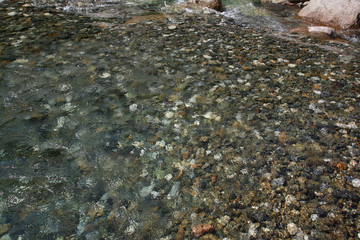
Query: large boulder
(336, 13)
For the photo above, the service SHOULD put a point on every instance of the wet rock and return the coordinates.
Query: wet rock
(212, 4)
(202, 229)
(319, 30)
(180, 233)
(292, 229)
(253, 230)
(284, 2)
(4, 228)
(355, 182)
(95, 211)
(338, 13)
(347, 195)
(278, 182)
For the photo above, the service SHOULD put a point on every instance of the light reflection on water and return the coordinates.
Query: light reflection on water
(100, 139)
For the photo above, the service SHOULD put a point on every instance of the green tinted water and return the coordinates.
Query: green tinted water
(113, 131)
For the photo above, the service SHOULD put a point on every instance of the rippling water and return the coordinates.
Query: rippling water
(136, 120)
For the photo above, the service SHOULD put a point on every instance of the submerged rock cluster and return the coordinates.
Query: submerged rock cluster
(176, 127)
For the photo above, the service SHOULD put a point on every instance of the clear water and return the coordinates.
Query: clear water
(98, 141)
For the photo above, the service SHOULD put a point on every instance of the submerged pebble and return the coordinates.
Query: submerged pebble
(149, 128)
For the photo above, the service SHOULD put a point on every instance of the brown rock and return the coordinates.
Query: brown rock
(4, 228)
(212, 4)
(95, 211)
(284, 2)
(327, 31)
(202, 229)
(337, 13)
(180, 234)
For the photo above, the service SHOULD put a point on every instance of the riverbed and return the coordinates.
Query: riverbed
(133, 120)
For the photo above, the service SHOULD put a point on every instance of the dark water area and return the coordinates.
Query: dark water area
(142, 120)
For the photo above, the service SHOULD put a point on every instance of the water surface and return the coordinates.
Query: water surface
(141, 120)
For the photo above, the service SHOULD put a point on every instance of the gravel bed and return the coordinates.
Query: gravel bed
(145, 129)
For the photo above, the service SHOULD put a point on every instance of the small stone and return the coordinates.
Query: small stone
(290, 199)
(169, 115)
(6, 237)
(292, 228)
(202, 229)
(65, 87)
(145, 191)
(356, 182)
(278, 182)
(105, 75)
(174, 192)
(209, 115)
(224, 220)
(168, 177)
(95, 211)
(253, 232)
(22, 60)
(218, 156)
(172, 27)
(314, 217)
(180, 234)
(161, 143)
(130, 230)
(291, 65)
(4, 228)
(133, 107)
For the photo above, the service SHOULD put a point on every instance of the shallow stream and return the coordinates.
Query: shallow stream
(141, 120)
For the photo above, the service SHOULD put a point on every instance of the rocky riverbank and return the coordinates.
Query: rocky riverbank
(174, 127)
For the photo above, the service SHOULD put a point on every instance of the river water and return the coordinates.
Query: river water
(143, 119)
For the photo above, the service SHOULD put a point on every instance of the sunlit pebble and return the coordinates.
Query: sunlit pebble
(12, 13)
(292, 228)
(138, 144)
(169, 114)
(130, 230)
(218, 156)
(314, 217)
(160, 143)
(105, 75)
(169, 176)
(209, 115)
(291, 65)
(133, 107)
(193, 99)
(355, 182)
(144, 173)
(22, 60)
(169, 147)
(317, 92)
(155, 194)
